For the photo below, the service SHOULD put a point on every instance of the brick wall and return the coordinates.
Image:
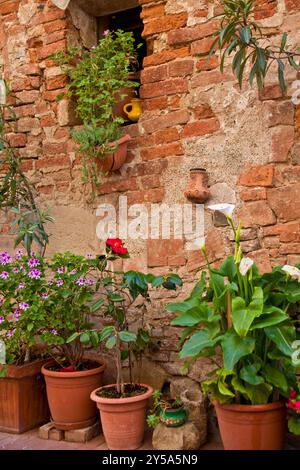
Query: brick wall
(193, 117)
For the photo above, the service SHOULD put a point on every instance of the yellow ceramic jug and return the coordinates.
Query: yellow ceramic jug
(133, 109)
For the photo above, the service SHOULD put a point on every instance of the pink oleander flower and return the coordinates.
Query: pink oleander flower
(23, 305)
(34, 274)
(33, 262)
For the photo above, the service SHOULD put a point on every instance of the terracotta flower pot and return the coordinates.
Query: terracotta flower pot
(197, 189)
(114, 161)
(123, 419)
(252, 427)
(23, 399)
(69, 396)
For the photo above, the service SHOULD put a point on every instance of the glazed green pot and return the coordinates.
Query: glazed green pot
(173, 417)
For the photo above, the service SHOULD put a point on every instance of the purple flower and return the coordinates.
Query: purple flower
(5, 258)
(60, 270)
(89, 256)
(21, 285)
(106, 32)
(54, 332)
(2, 319)
(34, 274)
(50, 282)
(80, 281)
(23, 305)
(89, 282)
(44, 295)
(33, 262)
(1, 300)
(17, 314)
(4, 275)
(74, 271)
(19, 254)
(15, 270)
(11, 333)
(59, 282)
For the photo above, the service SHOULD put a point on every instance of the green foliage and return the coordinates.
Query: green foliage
(96, 80)
(240, 38)
(250, 343)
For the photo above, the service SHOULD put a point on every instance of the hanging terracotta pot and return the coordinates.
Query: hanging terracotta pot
(252, 427)
(123, 419)
(113, 161)
(197, 189)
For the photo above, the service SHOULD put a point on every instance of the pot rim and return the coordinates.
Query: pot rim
(118, 401)
(122, 140)
(70, 375)
(234, 407)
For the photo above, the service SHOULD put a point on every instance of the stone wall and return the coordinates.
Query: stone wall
(193, 116)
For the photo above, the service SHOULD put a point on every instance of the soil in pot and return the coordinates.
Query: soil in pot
(123, 419)
(69, 394)
(23, 399)
(252, 427)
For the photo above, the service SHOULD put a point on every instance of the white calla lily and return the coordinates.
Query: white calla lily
(62, 4)
(292, 271)
(226, 209)
(245, 265)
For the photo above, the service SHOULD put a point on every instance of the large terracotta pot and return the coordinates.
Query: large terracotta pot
(123, 419)
(69, 396)
(114, 161)
(252, 427)
(23, 399)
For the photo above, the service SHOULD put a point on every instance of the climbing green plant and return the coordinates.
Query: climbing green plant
(241, 39)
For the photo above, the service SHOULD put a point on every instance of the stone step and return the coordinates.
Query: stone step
(49, 431)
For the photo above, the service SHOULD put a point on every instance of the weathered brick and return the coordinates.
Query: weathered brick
(152, 167)
(265, 9)
(153, 11)
(255, 194)
(149, 195)
(160, 251)
(166, 120)
(181, 68)
(59, 161)
(56, 82)
(206, 63)
(9, 6)
(164, 136)
(164, 23)
(168, 87)
(186, 35)
(128, 184)
(154, 74)
(150, 181)
(262, 260)
(165, 56)
(16, 140)
(282, 142)
(45, 51)
(52, 148)
(28, 96)
(270, 92)
(261, 175)
(256, 213)
(203, 127)
(202, 46)
(162, 151)
(292, 5)
(282, 113)
(285, 202)
(26, 124)
(209, 78)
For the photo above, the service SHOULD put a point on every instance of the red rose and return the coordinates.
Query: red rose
(116, 245)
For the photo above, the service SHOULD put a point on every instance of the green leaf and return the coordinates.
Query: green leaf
(158, 281)
(30, 327)
(106, 332)
(72, 337)
(96, 305)
(275, 377)
(224, 390)
(282, 336)
(115, 297)
(259, 394)
(283, 42)
(111, 342)
(242, 315)
(294, 425)
(245, 34)
(270, 316)
(127, 336)
(85, 338)
(249, 374)
(281, 75)
(234, 348)
(196, 344)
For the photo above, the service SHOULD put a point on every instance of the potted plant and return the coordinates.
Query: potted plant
(23, 401)
(123, 404)
(98, 80)
(240, 320)
(71, 375)
(169, 411)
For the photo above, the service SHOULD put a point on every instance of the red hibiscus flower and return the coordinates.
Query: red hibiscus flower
(116, 245)
(67, 369)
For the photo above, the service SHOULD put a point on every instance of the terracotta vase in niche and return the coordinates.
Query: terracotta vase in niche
(197, 189)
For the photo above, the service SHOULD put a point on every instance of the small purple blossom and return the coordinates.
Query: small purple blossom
(89, 282)
(60, 270)
(80, 281)
(4, 275)
(33, 262)
(1, 300)
(23, 305)
(19, 254)
(44, 295)
(59, 282)
(17, 314)
(15, 270)
(21, 285)
(54, 332)
(5, 258)
(74, 271)
(2, 319)
(106, 32)
(34, 274)
(89, 256)
(11, 333)
(50, 282)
